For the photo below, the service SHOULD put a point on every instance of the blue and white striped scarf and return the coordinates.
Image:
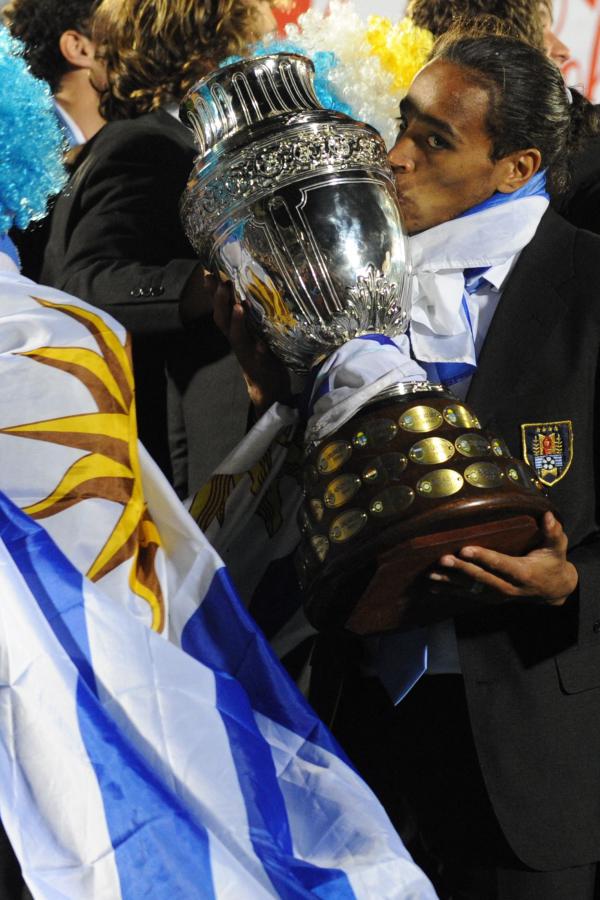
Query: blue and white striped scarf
(445, 256)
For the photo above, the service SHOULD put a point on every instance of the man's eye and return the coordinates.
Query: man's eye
(437, 143)
(402, 123)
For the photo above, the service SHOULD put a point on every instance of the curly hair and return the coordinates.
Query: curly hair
(155, 50)
(39, 25)
(521, 16)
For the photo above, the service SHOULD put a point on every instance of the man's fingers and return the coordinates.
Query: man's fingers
(491, 559)
(489, 579)
(554, 536)
(223, 301)
(239, 338)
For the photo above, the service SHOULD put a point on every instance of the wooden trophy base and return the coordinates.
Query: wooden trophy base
(384, 585)
(387, 603)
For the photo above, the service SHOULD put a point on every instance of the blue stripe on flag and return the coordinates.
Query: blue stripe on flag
(222, 636)
(160, 851)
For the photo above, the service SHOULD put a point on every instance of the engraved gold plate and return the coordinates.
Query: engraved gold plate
(393, 501)
(375, 433)
(432, 450)
(347, 525)
(440, 483)
(459, 416)
(317, 509)
(499, 448)
(472, 444)
(333, 456)
(484, 475)
(421, 419)
(341, 490)
(320, 545)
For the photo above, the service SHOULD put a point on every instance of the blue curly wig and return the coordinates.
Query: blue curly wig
(31, 141)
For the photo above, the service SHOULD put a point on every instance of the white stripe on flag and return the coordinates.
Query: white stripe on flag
(175, 721)
(49, 792)
(328, 791)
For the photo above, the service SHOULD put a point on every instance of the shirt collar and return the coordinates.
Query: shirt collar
(497, 275)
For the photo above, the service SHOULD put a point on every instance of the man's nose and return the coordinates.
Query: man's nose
(400, 158)
(558, 51)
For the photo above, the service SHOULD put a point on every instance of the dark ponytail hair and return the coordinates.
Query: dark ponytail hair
(529, 105)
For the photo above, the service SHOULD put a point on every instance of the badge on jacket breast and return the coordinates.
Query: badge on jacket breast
(548, 448)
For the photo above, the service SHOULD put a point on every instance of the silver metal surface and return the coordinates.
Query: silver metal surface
(405, 389)
(296, 204)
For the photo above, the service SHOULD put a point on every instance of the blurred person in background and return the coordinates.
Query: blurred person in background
(523, 17)
(58, 48)
(116, 238)
(581, 204)
(55, 36)
(556, 49)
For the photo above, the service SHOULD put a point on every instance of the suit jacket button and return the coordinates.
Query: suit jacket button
(596, 626)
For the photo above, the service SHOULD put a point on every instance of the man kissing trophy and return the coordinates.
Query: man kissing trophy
(296, 205)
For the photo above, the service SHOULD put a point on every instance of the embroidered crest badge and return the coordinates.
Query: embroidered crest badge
(548, 448)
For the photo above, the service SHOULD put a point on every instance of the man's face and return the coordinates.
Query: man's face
(442, 155)
(555, 49)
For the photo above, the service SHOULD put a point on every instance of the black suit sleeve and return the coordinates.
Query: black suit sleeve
(126, 251)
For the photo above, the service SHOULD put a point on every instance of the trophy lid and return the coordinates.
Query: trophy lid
(248, 94)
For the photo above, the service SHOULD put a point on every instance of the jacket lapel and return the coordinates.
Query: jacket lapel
(531, 306)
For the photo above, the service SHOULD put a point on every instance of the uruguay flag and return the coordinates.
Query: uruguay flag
(134, 767)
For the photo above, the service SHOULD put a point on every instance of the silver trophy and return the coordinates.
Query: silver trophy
(297, 205)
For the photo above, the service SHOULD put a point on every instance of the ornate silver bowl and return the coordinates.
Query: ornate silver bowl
(296, 204)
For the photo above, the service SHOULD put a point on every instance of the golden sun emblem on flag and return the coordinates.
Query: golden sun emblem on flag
(110, 468)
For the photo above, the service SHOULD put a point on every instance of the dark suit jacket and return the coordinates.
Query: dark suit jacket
(532, 673)
(581, 205)
(116, 241)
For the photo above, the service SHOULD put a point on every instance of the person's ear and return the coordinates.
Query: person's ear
(517, 168)
(77, 49)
